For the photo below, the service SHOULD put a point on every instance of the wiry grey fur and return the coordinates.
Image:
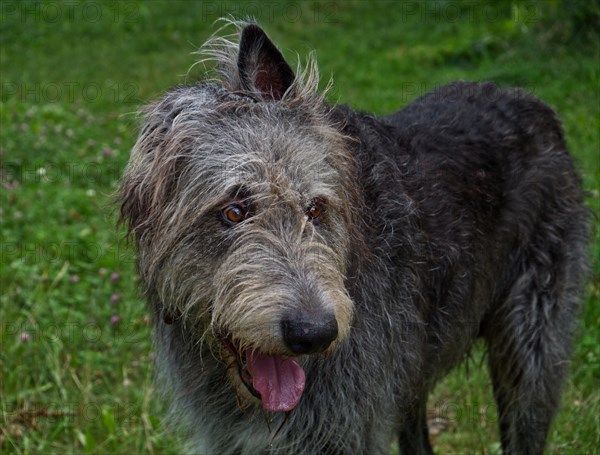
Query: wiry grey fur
(458, 217)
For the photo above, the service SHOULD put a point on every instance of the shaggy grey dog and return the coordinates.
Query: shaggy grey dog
(314, 271)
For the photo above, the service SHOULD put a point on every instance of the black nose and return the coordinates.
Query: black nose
(309, 335)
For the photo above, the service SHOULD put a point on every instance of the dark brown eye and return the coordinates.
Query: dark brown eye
(314, 210)
(234, 213)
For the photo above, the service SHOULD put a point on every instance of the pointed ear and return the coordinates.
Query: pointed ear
(261, 66)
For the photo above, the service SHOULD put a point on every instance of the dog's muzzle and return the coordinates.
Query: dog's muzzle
(309, 335)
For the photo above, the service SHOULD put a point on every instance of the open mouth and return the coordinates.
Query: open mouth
(277, 381)
(242, 366)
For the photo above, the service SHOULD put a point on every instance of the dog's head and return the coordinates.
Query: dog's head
(241, 197)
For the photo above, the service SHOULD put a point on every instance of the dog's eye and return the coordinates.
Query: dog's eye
(314, 210)
(234, 213)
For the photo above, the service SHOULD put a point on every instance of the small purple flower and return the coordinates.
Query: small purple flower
(114, 277)
(24, 337)
(107, 151)
(115, 319)
(117, 140)
(74, 278)
(115, 298)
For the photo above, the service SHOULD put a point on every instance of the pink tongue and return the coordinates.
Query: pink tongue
(280, 381)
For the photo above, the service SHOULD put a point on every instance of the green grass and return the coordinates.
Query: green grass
(76, 380)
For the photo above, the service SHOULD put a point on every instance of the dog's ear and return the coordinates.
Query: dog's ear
(261, 66)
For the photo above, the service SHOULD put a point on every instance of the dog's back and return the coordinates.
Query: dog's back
(500, 206)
